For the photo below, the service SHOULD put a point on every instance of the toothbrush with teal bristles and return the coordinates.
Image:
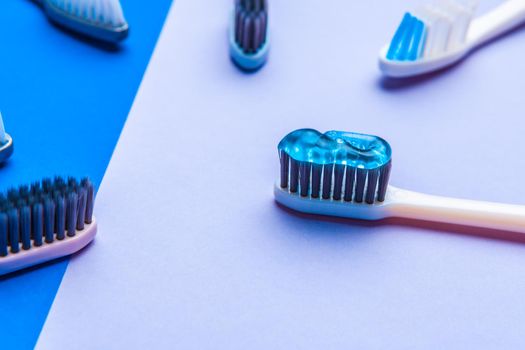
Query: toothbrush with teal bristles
(98, 19)
(438, 35)
(346, 175)
(6, 143)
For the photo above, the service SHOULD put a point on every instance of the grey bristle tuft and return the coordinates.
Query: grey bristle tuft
(43, 212)
(251, 21)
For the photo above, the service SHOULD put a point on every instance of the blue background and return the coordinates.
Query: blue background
(64, 101)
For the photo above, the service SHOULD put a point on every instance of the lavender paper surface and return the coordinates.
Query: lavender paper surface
(192, 251)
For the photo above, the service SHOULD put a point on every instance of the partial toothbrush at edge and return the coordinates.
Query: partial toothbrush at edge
(248, 34)
(436, 36)
(44, 221)
(346, 175)
(102, 20)
(6, 143)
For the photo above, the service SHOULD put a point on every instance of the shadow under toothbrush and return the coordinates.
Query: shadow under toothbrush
(99, 44)
(430, 226)
(393, 84)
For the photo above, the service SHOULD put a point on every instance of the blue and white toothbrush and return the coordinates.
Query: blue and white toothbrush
(6, 143)
(439, 35)
(99, 19)
(346, 175)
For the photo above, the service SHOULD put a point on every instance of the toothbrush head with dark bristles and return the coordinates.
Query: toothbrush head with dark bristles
(250, 24)
(249, 33)
(44, 221)
(345, 175)
(335, 166)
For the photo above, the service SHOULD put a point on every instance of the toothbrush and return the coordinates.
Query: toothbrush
(437, 36)
(249, 42)
(99, 19)
(6, 143)
(346, 175)
(45, 221)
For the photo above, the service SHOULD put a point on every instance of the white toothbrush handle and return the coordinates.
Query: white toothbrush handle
(507, 16)
(413, 205)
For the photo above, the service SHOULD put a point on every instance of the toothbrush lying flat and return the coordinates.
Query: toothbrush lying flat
(45, 221)
(346, 174)
(440, 35)
(6, 143)
(99, 19)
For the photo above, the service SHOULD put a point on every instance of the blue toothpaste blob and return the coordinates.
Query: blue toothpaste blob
(339, 147)
(335, 165)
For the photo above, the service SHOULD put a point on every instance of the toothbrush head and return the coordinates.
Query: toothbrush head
(45, 221)
(249, 43)
(335, 166)
(428, 39)
(99, 19)
(6, 143)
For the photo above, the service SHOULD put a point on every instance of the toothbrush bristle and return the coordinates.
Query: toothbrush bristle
(335, 166)
(334, 181)
(44, 212)
(432, 30)
(251, 20)
(106, 13)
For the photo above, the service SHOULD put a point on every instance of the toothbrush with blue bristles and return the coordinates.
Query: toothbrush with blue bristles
(346, 175)
(438, 35)
(99, 19)
(6, 142)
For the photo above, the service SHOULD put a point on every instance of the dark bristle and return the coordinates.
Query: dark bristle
(71, 214)
(38, 224)
(349, 183)
(304, 176)
(251, 20)
(90, 201)
(339, 172)
(60, 217)
(47, 185)
(384, 177)
(13, 195)
(43, 212)
(14, 230)
(316, 180)
(25, 227)
(327, 180)
(285, 168)
(294, 175)
(371, 185)
(24, 191)
(82, 201)
(49, 220)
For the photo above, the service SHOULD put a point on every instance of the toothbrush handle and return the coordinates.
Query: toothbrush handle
(413, 205)
(507, 16)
